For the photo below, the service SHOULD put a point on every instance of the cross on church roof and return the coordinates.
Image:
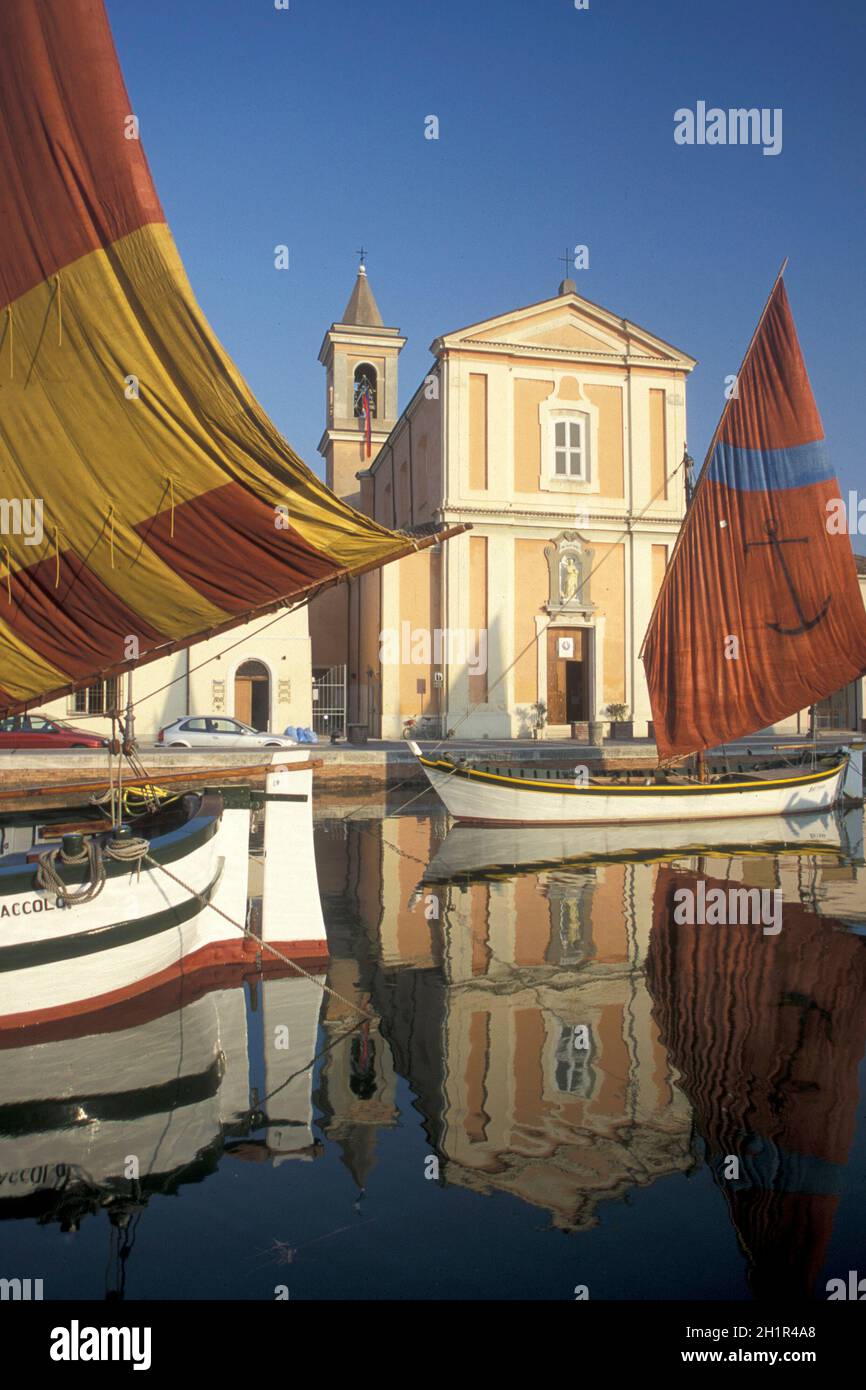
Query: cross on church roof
(363, 258)
(567, 261)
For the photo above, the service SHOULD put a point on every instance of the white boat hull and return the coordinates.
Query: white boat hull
(147, 929)
(482, 798)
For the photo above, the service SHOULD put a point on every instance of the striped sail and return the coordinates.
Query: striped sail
(760, 612)
(171, 506)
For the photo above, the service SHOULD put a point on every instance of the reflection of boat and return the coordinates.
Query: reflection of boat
(767, 1035)
(108, 1114)
(758, 616)
(483, 851)
(179, 912)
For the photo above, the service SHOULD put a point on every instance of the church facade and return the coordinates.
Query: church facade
(558, 431)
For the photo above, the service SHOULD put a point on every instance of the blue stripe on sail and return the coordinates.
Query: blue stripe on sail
(769, 470)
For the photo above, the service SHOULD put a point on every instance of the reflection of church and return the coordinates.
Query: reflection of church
(532, 1077)
(558, 431)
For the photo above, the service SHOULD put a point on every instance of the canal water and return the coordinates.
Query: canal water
(526, 1075)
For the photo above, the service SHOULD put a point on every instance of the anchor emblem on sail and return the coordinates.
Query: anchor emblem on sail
(776, 542)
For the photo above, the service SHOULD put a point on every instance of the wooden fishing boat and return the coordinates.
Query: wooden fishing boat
(162, 507)
(482, 796)
(759, 616)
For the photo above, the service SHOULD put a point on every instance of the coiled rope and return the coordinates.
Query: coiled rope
(132, 851)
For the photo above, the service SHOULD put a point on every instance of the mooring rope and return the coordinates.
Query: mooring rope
(131, 851)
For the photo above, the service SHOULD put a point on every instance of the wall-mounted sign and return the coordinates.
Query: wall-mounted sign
(565, 648)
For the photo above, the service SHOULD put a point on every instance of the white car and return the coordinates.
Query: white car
(217, 732)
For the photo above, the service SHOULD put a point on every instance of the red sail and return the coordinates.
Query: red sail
(760, 613)
(766, 1035)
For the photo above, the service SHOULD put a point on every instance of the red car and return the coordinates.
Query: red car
(37, 731)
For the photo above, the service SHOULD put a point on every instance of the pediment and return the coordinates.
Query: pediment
(567, 325)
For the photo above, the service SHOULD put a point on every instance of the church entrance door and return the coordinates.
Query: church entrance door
(568, 684)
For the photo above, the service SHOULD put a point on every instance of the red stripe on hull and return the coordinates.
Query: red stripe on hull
(222, 965)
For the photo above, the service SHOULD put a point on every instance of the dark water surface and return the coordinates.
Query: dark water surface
(548, 1091)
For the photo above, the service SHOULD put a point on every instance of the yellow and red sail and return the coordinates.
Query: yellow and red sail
(760, 613)
(171, 506)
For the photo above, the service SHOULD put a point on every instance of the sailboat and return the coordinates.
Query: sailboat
(162, 508)
(759, 615)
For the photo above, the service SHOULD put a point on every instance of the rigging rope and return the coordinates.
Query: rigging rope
(265, 945)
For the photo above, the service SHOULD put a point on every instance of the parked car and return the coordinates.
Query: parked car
(37, 731)
(206, 731)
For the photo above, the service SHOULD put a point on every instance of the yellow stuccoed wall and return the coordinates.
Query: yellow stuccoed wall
(478, 431)
(658, 443)
(608, 400)
(528, 396)
(607, 590)
(530, 582)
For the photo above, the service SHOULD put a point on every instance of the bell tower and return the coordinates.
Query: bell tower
(359, 355)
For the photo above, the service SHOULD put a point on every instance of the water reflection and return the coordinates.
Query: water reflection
(509, 946)
(529, 999)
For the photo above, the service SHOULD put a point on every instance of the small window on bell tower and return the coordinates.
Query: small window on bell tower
(366, 382)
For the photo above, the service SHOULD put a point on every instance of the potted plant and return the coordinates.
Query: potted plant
(620, 724)
(538, 715)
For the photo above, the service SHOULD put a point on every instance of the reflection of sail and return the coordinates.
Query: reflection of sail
(767, 1033)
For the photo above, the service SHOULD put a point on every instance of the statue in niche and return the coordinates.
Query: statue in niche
(570, 566)
(569, 579)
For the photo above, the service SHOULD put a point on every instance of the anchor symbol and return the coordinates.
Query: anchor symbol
(805, 623)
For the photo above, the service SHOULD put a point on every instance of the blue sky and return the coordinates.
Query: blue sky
(306, 127)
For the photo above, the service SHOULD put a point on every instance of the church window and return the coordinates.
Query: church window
(366, 384)
(569, 447)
